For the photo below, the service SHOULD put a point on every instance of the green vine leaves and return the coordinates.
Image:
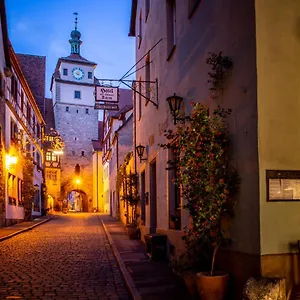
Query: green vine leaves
(220, 65)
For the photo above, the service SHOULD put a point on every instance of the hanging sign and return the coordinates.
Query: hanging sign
(107, 94)
(106, 106)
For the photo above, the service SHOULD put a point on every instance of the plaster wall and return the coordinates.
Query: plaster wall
(70, 67)
(278, 62)
(124, 146)
(212, 28)
(67, 96)
(98, 199)
(106, 187)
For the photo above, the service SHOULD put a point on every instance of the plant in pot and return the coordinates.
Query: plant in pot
(131, 197)
(208, 184)
(175, 220)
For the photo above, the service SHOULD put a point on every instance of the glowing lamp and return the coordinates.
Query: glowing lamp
(78, 181)
(11, 160)
(58, 152)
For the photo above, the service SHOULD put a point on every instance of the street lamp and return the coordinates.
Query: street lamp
(174, 104)
(11, 160)
(140, 152)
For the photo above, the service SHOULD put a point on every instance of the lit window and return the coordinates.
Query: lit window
(65, 72)
(90, 75)
(48, 156)
(77, 95)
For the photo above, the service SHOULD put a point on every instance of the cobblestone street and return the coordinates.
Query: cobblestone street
(66, 258)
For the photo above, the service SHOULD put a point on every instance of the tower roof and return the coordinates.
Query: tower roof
(75, 38)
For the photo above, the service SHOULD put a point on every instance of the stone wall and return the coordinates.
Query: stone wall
(77, 129)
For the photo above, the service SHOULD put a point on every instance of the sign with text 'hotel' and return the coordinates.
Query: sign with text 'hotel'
(107, 94)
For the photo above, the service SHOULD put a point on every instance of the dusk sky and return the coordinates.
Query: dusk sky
(43, 27)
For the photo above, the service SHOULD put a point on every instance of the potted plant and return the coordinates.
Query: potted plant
(208, 183)
(175, 220)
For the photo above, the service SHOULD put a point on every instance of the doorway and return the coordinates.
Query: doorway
(153, 200)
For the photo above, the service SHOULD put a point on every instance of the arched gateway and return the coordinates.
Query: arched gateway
(77, 201)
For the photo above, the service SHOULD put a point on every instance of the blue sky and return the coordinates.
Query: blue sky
(42, 27)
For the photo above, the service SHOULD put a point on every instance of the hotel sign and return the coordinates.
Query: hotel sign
(107, 94)
(106, 106)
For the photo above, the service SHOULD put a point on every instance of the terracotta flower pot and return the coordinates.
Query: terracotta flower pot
(190, 282)
(133, 233)
(212, 287)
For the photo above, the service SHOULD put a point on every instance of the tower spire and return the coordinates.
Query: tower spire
(75, 38)
(76, 18)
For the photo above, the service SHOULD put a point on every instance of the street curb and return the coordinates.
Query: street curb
(25, 229)
(128, 279)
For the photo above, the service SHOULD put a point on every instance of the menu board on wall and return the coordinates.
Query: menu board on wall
(283, 186)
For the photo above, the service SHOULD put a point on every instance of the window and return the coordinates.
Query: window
(51, 175)
(192, 6)
(147, 9)
(77, 95)
(13, 130)
(14, 87)
(140, 30)
(86, 110)
(33, 123)
(65, 72)
(77, 111)
(171, 27)
(22, 101)
(38, 159)
(38, 130)
(147, 77)
(28, 114)
(90, 75)
(67, 108)
(50, 156)
(82, 153)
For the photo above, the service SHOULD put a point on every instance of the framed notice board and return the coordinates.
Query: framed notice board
(283, 185)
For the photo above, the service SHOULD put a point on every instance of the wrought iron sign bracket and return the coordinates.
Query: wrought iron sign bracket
(153, 91)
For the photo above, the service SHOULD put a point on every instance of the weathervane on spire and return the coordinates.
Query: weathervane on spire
(76, 14)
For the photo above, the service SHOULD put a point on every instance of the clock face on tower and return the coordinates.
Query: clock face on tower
(77, 73)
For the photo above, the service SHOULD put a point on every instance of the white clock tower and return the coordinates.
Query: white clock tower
(76, 120)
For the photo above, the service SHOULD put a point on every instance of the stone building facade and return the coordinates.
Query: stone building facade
(262, 39)
(76, 120)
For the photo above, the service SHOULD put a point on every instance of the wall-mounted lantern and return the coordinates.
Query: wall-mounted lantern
(11, 160)
(174, 104)
(140, 152)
